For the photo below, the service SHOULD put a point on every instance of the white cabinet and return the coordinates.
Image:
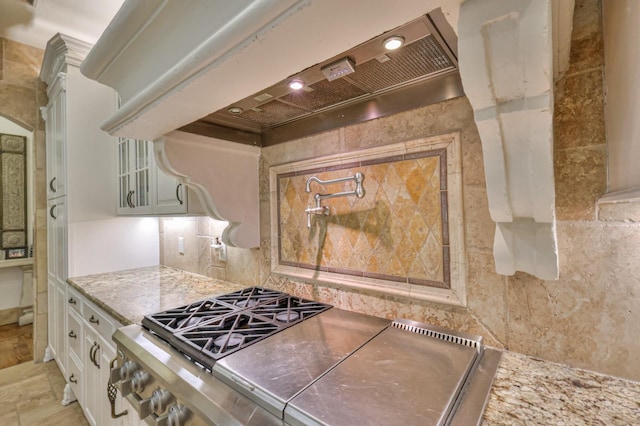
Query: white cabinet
(90, 353)
(83, 228)
(143, 189)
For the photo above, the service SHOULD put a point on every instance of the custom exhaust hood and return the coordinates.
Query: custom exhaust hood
(370, 82)
(181, 67)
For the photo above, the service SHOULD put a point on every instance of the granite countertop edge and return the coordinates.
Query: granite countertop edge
(526, 390)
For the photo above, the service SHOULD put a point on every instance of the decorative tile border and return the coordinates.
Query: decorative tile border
(450, 287)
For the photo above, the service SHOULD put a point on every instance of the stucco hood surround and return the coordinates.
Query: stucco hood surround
(175, 62)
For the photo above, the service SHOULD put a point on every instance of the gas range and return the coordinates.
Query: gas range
(262, 357)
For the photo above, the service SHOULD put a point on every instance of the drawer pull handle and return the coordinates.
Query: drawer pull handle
(178, 194)
(94, 320)
(73, 379)
(93, 352)
(52, 212)
(72, 335)
(112, 393)
(72, 301)
(51, 187)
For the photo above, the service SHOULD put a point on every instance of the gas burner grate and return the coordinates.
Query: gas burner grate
(249, 297)
(206, 331)
(289, 309)
(214, 339)
(168, 322)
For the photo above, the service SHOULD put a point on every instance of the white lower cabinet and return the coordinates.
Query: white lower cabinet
(90, 351)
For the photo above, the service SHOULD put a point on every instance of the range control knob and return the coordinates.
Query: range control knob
(124, 372)
(160, 400)
(139, 380)
(157, 403)
(177, 415)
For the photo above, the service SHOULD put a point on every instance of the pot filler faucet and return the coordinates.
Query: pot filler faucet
(324, 210)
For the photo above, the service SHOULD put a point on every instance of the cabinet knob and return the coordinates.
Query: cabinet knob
(72, 301)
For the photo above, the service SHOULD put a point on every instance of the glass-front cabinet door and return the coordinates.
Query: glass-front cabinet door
(134, 172)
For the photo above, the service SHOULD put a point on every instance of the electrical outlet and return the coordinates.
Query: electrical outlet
(180, 245)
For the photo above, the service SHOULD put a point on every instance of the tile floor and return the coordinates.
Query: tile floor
(16, 344)
(30, 395)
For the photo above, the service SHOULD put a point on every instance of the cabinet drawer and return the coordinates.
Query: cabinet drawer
(74, 336)
(74, 377)
(74, 299)
(98, 320)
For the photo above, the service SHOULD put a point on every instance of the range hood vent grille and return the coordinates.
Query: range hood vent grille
(384, 77)
(418, 60)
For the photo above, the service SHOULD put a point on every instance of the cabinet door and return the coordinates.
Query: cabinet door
(60, 320)
(91, 376)
(134, 176)
(170, 195)
(52, 324)
(125, 206)
(56, 143)
(142, 162)
(57, 239)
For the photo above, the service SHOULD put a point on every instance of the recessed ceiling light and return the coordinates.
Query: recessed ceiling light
(235, 110)
(393, 43)
(296, 84)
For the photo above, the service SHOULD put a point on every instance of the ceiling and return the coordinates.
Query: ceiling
(34, 22)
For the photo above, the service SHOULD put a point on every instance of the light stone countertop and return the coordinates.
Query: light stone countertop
(130, 295)
(526, 390)
(531, 391)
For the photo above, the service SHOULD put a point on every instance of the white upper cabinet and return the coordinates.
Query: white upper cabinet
(143, 189)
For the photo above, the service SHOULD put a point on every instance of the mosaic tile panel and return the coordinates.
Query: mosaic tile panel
(397, 232)
(13, 179)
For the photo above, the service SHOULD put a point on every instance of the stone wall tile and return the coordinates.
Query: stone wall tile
(242, 266)
(25, 55)
(2, 49)
(19, 103)
(579, 111)
(18, 74)
(586, 54)
(580, 177)
(588, 318)
(486, 293)
(479, 228)
(587, 19)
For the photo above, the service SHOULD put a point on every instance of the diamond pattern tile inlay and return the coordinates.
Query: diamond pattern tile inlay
(395, 232)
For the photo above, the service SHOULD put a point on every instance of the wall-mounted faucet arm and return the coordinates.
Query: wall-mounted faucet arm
(358, 178)
(324, 210)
